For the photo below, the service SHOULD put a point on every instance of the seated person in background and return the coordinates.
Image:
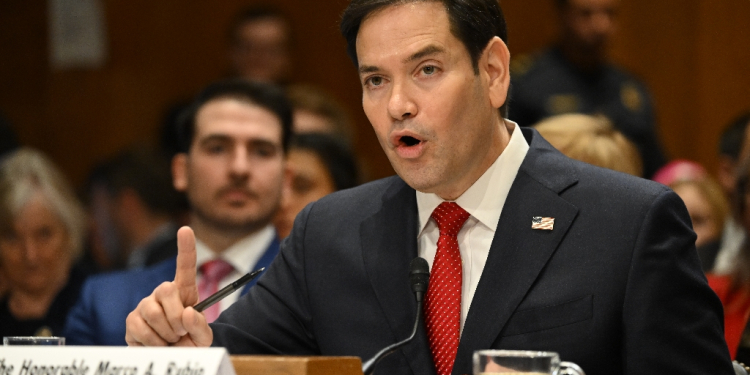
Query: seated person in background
(261, 39)
(733, 146)
(316, 111)
(231, 167)
(260, 50)
(705, 201)
(135, 208)
(593, 140)
(319, 165)
(734, 288)
(42, 229)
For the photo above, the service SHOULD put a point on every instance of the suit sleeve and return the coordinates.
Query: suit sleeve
(274, 316)
(79, 329)
(672, 319)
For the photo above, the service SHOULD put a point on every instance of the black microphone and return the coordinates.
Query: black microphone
(419, 276)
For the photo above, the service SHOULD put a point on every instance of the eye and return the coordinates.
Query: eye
(43, 234)
(429, 70)
(374, 81)
(215, 148)
(9, 237)
(265, 150)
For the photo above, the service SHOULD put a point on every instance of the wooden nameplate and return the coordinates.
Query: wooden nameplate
(291, 365)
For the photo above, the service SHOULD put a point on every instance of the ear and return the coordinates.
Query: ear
(179, 172)
(495, 64)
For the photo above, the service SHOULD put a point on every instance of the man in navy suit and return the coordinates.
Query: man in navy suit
(545, 253)
(232, 168)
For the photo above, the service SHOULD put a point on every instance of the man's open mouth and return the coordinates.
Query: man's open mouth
(409, 141)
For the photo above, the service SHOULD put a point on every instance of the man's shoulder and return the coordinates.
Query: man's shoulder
(607, 192)
(353, 205)
(135, 279)
(366, 196)
(576, 179)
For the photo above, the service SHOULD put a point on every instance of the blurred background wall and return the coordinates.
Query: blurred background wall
(694, 55)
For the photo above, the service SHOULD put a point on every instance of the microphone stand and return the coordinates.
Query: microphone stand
(419, 276)
(369, 366)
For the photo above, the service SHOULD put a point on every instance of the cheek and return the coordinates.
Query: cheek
(269, 177)
(9, 257)
(59, 245)
(378, 119)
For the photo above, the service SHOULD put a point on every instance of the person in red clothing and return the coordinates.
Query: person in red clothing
(734, 288)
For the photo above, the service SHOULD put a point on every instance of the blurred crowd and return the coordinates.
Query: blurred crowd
(248, 154)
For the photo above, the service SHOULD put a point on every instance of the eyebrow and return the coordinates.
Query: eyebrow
(255, 142)
(426, 51)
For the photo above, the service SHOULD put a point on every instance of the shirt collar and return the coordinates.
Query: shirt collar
(244, 254)
(485, 199)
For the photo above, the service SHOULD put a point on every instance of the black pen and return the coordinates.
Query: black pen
(227, 290)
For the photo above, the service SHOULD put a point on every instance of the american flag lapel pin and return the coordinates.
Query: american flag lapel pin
(542, 223)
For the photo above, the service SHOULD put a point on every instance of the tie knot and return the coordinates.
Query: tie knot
(215, 270)
(449, 217)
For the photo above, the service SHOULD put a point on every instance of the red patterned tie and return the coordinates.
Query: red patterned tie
(443, 300)
(213, 272)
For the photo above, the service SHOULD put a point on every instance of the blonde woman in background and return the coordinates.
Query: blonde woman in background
(41, 235)
(705, 201)
(593, 140)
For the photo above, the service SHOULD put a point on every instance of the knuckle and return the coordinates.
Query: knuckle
(151, 312)
(165, 289)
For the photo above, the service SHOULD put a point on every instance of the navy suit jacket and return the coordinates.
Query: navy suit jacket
(98, 318)
(616, 286)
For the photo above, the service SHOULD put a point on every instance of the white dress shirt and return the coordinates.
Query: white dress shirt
(243, 255)
(732, 238)
(484, 201)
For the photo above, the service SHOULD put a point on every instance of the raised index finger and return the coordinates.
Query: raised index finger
(185, 275)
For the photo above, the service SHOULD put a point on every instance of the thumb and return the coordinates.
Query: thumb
(185, 275)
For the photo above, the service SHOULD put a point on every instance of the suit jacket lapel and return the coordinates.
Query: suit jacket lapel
(518, 253)
(389, 243)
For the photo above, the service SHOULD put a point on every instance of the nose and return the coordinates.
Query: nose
(239, 163)
(401, 106)
(30, 251)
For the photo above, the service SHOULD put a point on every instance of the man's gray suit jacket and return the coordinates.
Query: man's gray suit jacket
(616, 286)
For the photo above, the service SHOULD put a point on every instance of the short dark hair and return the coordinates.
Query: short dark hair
(336, 156)
(473, 22)
(264, 95)
(145, 171)
(730, 143)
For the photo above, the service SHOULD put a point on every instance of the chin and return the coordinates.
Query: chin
(425, 185)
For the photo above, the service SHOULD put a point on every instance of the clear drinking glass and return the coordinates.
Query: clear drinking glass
(502, 362)
(32, 340)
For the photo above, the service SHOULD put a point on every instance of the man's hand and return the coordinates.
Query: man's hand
(167, 317)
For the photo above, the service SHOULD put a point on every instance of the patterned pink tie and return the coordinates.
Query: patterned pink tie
(213, 272)
(443, 300)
